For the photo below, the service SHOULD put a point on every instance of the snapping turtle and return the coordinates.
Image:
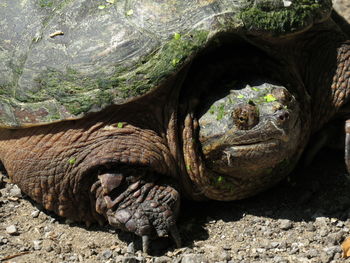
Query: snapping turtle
(113, 110)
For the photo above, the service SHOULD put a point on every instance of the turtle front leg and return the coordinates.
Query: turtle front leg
(137, 203)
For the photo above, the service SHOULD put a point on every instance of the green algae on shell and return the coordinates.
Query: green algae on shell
(278, 18)
(104, 56)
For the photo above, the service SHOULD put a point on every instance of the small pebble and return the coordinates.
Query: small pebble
(3, 240)
(193, 258)
(340, 224)
(332, 250)
(37, 244)
(163, 259)
(49, 249)
(35, 213)
(285, 224)
(47, 229)
(323, 232)
(325, 258)
(321, 221)
(107, 254)
(15, 191)
(72, 258)
(22, 249)
(12, 230)
(132, 259)
(310, 227)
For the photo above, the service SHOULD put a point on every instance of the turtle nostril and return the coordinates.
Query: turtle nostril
(283, 116)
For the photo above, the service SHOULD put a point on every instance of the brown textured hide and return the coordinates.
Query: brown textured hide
(56, 164)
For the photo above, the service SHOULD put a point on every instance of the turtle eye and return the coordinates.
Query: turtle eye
(245, 116)
(282, 95)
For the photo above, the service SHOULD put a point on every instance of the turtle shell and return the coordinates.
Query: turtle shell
(61, 59)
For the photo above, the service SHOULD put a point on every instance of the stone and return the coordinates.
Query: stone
(193, 258)
(12, 230)
(285, 224)
(132, 259)
(37, 244)
(107, 254)
(15, 191)
(163, 259)
(35, 213)
(49, 249)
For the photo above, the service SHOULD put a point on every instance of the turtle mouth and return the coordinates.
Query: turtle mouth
(234, 157)
(266, 143)
(236, 138)
(259, 155)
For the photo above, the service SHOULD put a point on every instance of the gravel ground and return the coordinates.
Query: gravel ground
(343, 7)
(303, 219)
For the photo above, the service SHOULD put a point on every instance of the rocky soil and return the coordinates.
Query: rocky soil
(343, 7)
(303, 219)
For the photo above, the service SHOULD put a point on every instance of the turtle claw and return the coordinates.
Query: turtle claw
(347, 145)
(174, 233)
(145, 243)
(131, 248)
(140, 206)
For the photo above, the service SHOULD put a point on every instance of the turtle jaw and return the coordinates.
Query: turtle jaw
(247, 160)
(254, 140)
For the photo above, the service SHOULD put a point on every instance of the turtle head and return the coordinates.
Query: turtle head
(248, 136)
(284, 17)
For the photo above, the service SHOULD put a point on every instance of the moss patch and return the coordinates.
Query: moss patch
(218, 110)
(79, 93)
(72, 161)
(270, 98)
(52, 5)
(45, 3)
(76, 92)
(157, 66)
(266, 16)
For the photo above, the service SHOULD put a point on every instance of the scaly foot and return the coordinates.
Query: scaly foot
(138, 204)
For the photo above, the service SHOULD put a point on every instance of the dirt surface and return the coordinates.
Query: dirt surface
(343, 8)
(303, 219)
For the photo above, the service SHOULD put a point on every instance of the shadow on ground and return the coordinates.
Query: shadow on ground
(322, 189)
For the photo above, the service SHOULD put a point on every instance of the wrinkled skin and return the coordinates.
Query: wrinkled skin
(229, 125)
